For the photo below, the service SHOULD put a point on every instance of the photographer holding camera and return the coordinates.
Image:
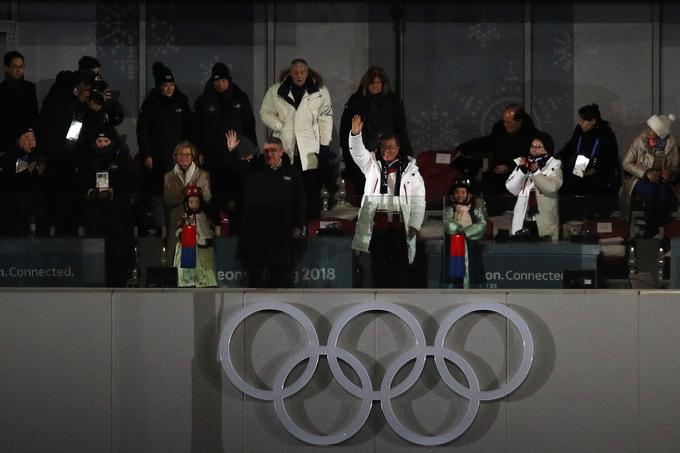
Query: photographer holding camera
(100, 98)
(67, 120)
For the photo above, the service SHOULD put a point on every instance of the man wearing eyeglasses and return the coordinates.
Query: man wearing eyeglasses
(18, 101)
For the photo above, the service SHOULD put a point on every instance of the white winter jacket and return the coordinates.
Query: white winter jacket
(411, 197)
(310, 125)
(546, 181)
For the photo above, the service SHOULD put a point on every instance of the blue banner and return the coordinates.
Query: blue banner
(46, 262)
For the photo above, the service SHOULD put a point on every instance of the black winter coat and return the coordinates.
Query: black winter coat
(274, 206)
(23, 182)
(604, 159)
(24, 196)
(215, 114)
(93, 124)
(163, 122)
(500, 146)
(380, 114)
(115, 160)
(61, 106)
(18, 109)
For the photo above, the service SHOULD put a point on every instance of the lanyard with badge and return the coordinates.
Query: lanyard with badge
(583, 161)
(102, 180)
(74, 129)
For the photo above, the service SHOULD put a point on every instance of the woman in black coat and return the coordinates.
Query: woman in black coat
(590, 191)
(164, 121)
(382, 112)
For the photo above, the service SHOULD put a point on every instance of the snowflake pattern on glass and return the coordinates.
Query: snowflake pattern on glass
(564, 50)
(337, 71)
(484, 33)
(468, 114)
(117, 36)
(160, 32)
(433, 129)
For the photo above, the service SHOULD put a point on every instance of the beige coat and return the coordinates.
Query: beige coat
(173, 195)
(546, 182)
(638, 160)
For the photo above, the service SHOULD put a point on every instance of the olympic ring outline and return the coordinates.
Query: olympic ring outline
(366, 393)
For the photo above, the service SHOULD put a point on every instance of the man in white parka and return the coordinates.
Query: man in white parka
(392, 208)
(298, 110)
(535, 181)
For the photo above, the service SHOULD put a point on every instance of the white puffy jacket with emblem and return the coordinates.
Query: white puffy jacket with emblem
(411, 197)
(546, 181)
(310, 125)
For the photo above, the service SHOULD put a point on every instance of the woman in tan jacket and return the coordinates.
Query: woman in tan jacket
(185, 173)
(651, 170)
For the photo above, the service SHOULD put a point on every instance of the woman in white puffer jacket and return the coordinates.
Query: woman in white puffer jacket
(538, 178)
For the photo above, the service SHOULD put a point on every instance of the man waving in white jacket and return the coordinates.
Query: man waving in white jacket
(298, 110)
(392, 208)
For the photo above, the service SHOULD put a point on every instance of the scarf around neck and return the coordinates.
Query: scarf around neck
(185, 176)
(387, 168)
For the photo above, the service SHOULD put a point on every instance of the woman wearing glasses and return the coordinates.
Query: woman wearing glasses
(535, 181)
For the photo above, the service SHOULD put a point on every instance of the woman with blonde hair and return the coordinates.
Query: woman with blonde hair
(184, 173)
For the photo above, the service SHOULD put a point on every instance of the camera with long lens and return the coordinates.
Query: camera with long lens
(98, 92)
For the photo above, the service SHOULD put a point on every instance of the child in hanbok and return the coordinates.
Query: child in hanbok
(194, 253)
(464, 224)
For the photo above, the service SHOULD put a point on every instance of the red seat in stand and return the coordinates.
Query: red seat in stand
(438, 174)
(671, 229)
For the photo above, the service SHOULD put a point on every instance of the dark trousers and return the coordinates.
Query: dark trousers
(586, 198)
(19, 212)
(497, 198)
(328, 178)
(114, 221)
(263, 276)
(312, 185)
(389, 257)
(659, 200)
(63, 210)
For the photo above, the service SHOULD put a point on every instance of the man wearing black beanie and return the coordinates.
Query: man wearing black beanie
(164, 121)
(224, 107)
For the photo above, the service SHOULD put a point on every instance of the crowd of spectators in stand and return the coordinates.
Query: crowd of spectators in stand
(63, 166)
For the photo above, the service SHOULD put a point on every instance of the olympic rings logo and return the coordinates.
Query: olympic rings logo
(386, 392)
